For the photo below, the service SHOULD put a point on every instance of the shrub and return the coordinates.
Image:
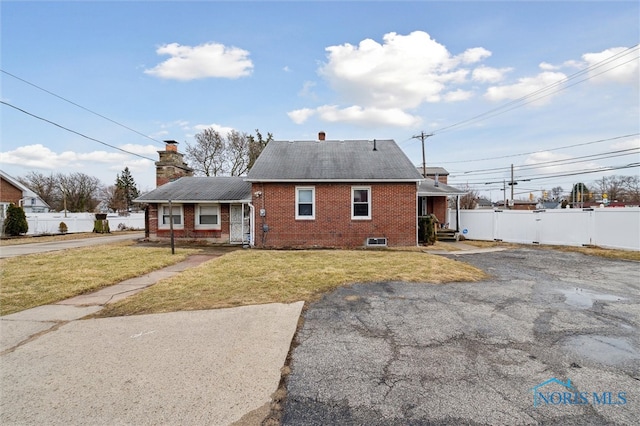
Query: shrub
(16, 221)
(427, 230)
(62, 228)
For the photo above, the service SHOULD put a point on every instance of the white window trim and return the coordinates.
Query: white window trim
(162, 225)
(353, 189)
(198, 225)
(313, 203)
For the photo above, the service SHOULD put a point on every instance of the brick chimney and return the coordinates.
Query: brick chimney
(171, 165)
(321, 136)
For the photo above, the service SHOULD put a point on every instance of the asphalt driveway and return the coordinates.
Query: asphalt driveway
(551, 338)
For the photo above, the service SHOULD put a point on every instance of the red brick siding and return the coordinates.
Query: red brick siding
(189, 231)
(393, 215)
(9, 193)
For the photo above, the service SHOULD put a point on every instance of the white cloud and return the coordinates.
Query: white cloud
(41, 157)
(402, 72)
(484, 74)
(202, 61)
(526, 86)
(307, 89)
(286, 68)
(299, 116)
(457, 95)
(617, 64)
(627, 144)
(357, 115)
(223, 130)
(564, 163)
(473, 55)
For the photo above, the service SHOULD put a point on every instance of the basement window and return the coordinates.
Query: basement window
(377, 242)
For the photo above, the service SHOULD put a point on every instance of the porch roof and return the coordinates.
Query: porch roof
(225, 189)
(428, 188)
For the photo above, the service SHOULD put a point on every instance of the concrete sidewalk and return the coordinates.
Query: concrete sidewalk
(200, 367)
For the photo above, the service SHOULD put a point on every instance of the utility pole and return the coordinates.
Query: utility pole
(422, 137)
(512, 183)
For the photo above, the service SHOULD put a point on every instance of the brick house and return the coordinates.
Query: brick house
(334, 194)
(215, 209)
(298, 194)
(14, 192)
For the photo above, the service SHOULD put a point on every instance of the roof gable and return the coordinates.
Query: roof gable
(195, 189)
(354, 160)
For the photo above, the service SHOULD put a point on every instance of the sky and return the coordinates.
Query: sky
(549, 87)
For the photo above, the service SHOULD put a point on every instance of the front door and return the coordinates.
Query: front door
(236, 218)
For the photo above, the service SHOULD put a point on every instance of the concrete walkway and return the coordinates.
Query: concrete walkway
(198, 367)
(459, 248)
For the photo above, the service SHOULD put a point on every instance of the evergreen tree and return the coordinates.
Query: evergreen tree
(16, 221)
(127, 190)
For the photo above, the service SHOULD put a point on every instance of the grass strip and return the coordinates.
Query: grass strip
(40, 279)
(261, 276)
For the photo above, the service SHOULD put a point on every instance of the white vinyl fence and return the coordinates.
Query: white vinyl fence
(49, 223)
(612, 227)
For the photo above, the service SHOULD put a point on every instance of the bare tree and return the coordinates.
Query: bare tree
(469, 201)
(618, 188)
(237, 149)
(556, 193)
(631, 185)
(232, 154)
(47, 187)
(80, 191)
(208, 155)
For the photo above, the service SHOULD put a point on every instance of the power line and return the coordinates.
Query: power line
(80, 106)
(73, 131)
(564, 161)
(516, 103)
(565, 174)
(544, 150)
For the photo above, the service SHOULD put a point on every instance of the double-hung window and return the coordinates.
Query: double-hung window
(166, 214)
(208, 216)
(305, 202)
(361, 202)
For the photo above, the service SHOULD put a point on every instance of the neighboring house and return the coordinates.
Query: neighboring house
(301, 194)
(433, 198)
(12, 191)
(434, 193)
(484, 203)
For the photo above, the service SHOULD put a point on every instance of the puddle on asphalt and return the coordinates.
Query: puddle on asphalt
(607, 350)
(582, 298)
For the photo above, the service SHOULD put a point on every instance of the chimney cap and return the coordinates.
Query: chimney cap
(171, 142)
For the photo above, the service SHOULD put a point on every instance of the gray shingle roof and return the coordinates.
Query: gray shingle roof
(428, 188)
(353, 160)
(200, 189)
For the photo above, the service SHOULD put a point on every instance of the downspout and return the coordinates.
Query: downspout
(252, 225)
